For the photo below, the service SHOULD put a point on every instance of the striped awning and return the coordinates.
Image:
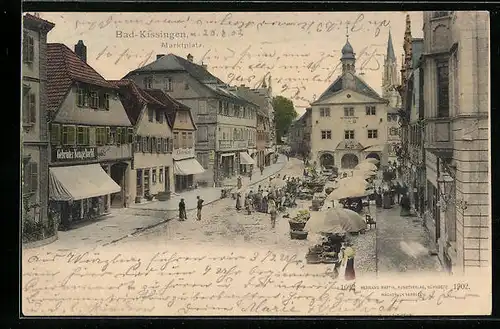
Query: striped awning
(80, 182)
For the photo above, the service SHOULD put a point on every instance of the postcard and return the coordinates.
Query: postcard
(244, 163)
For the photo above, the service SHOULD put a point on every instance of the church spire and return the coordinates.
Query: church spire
(390, 48)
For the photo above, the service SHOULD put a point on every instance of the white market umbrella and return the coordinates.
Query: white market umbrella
(335, 220)
(347, 192)
(371, 160)
(364, 173)
(354, 181)
(367, 166)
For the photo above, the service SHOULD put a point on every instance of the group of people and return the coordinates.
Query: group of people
(392, 193)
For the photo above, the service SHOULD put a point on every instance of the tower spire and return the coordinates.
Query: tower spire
(390, 48)
(347, 31)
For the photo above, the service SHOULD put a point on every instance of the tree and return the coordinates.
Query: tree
(284, 113)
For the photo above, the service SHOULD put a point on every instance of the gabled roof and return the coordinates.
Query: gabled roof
(173, 62)
(134, 99)
(254, 98)
(171, 105)
(64, 68)
(360, 86)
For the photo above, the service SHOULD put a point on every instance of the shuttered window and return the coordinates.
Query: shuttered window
(30, 179)
(55, 133)
(68, 135)
(130, 136)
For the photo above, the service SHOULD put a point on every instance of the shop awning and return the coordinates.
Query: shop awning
(227, 154)
(375, 148)
(188, 167)
(246, 159)
(80, 182)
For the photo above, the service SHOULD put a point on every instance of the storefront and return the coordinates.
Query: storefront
(185, 167)
(86, 181)
(80, 192)
(227, 165)
(246, 163)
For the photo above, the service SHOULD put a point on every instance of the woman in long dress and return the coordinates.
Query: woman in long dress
(350, 274)
(238, 201)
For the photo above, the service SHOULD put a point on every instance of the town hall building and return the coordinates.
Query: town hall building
(349, 120)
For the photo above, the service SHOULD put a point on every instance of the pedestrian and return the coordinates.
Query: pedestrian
(238, 201)
(250, 174)
(261, 170)
(272, 211)
(405, 206)
(264, 204)
(287, 156)
(349, 254)
(182, 210)
(199, 206)
(247, 204)
(239, 184)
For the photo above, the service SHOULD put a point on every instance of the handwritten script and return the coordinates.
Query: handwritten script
(172, 282)
(300, 51)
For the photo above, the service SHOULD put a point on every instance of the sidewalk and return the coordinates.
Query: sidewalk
(122, 223)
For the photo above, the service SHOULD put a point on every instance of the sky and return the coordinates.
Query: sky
(300, 51)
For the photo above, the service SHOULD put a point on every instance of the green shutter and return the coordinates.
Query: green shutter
(55, 133)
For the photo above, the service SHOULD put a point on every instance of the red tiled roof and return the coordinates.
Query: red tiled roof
(170, 103)
(64, 68)
(134, 98)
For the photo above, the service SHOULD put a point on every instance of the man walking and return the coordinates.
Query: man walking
(199, 206)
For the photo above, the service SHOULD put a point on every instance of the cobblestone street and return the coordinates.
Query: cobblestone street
(402, 244)
(397, 244)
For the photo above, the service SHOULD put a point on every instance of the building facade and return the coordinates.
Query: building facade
(454, 98)
(264, 129)
(186, 166)
(411, 152)
(36, 223)
(265, 102)
(299, 137)
(91, 138)
(456, 104)
(225, 122)
(151, 171)
(390, 84)
(358, 112)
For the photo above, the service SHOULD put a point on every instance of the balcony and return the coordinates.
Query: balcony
(112, 152)
(438, 136)
(233, 145)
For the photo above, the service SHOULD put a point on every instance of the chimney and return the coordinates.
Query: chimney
(189, 57)
(158, 56)
(81, 50)
(204, 65)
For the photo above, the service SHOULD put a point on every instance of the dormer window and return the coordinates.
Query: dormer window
(148, 82)
(159, 116)
(168, 84)
(94, 99)
(81, 97)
